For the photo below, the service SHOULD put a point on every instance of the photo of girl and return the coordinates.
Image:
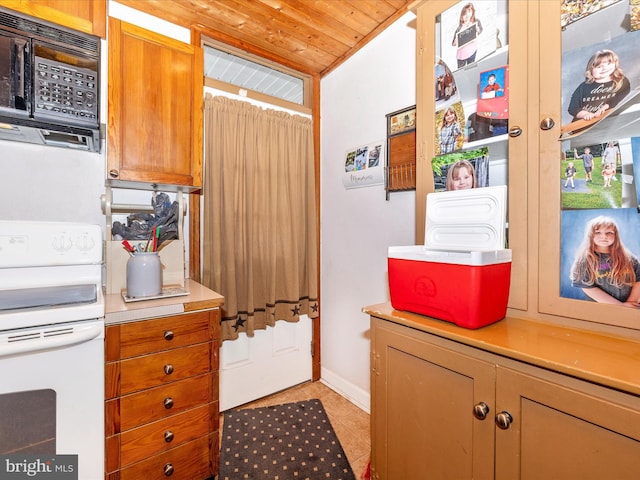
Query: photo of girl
(450, 131)
(461, 176)
(470, 31)
(604, 86)
(465, 36)
(603, 268)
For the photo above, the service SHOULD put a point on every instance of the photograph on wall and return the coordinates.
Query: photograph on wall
(493, 93)
(599, 256)
(461, 170)
(446, 90)
(600, 82)
(573, 10)
(592, 177)
(450, 129)
(468, 32)
(364, 166)
(635, 153)
(634, 6)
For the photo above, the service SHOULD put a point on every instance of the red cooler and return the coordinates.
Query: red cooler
(462, 273)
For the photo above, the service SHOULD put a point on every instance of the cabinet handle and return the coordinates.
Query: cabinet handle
(113, 173)
(503, 420)
(168, 369)
(480, 410)
(515, 131)
(168, 403)
(547, 123)
(168, 335)
(168, 470)
(168, 436)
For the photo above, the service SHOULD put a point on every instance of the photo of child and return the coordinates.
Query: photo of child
(461, 170)
(492, 88)
(450, 129)
(604, 86)
(461, 176)
(603, 268)
(464, 38)
(469, 32)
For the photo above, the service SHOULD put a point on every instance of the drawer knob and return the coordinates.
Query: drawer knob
(168, 369)
(168, 470)
(515, 131)
(480, 410)
(168, 436)
(547, 123)
(113, 173)
(168, 335)
(504, 420)
(168, 403)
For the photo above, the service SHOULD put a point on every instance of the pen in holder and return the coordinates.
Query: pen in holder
(144, 274)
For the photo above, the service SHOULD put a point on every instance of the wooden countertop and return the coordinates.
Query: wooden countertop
(606, 360)
(199, 298)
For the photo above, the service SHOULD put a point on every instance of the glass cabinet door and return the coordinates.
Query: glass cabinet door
(472, 110)
(589, 161)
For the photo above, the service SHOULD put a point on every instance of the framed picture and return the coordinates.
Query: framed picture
(401, 121)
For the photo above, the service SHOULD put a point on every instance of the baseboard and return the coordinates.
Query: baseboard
(356, 395)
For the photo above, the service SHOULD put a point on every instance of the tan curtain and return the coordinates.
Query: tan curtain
(259, 242)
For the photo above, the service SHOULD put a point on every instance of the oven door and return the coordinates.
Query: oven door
(52, 395)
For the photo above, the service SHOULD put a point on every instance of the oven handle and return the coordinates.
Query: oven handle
(79, 335)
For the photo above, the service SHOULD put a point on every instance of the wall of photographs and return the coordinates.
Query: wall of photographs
(600, 136)
(471, 92)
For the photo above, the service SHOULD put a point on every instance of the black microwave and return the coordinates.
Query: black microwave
(49, 83)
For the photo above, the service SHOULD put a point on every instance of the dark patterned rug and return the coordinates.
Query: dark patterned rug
(293, 441)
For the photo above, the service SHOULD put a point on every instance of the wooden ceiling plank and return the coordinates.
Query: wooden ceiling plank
(300, 13)
(302, 36)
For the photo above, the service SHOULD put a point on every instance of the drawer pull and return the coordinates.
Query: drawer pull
(168, 369)
(168, 470)
(168, 335)
(503, 420)
(480, 410)
(168, 436)
(168, 403)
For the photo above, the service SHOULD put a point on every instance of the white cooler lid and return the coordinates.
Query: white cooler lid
(466, 220)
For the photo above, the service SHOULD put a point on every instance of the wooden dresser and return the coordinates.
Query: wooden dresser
(161, 387)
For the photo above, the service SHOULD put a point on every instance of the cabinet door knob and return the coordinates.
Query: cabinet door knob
(547, 123)
(515, 131)
(113, 173)
(168, 335)
(168, 369)
(168, 470)
(168, 436)
(480, 410)
(503, 420)
(168, 403)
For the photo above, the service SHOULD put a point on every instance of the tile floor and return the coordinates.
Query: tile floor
(350, 423)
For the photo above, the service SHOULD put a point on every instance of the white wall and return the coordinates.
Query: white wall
(357, 225)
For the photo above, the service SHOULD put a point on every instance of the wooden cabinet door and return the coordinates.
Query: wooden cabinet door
(507, 151)
(565, 429)
(155, 108)
(88, 16)
(423, 398)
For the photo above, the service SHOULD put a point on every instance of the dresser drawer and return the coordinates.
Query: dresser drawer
(160, 402)
(150, 336)
(187, 462)
(163, 435)
(153, 370)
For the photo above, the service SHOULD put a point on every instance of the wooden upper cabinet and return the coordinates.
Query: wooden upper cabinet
(155, 108)
(88, 16)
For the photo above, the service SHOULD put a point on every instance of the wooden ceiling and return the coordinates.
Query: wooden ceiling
(310, 36)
